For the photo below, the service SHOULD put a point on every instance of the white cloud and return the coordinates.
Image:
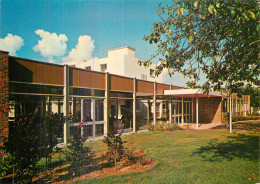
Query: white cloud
(51, 44)
(82, 52)
(11, 43)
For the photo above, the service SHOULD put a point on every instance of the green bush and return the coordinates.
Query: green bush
(173, 126)
(79, 156)
(115, 150)
(150, 127)
(6, 165)
(244, 118)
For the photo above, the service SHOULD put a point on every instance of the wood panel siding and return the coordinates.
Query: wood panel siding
(145, 86)
(86, 79)
(35, 72)
(118, 83)
(161, 87)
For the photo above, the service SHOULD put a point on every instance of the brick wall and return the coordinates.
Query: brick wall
(209, 110)
(4, 97)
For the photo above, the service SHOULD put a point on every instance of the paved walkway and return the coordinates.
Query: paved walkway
(192, 126)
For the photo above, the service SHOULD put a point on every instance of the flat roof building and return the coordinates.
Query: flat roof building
(96, 100)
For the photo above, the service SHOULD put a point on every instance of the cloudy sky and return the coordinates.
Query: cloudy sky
(63, 31)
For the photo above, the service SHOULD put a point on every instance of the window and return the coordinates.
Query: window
(151, 72)
(143, 77)
(88, 68)
(103, 67)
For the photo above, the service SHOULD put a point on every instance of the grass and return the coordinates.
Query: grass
(190, 156)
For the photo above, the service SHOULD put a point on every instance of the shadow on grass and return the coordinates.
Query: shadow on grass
(237, 146)
(242, 125)
(63, 172)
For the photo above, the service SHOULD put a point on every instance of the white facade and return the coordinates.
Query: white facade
(122, 61)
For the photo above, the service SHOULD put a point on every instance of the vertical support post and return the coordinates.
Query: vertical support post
(170, 108)
(82, 115)
(197, 112)
(134, 107)
(154, 103)
(222, 105)
(66, 104)
(236, 107)
(228, 102)
(81, 109)
(192, 117)
(230, 113)
(240, 107)
(106, 106)
(244, 105)
(148, 111)
(93, 103)
(182, 110)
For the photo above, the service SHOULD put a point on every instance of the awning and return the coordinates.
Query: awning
(192, 93)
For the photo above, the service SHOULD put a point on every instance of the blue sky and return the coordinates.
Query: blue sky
(110, 23)
(59, 24)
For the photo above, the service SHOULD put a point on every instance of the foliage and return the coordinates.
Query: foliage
(115, 146)
(243, 118)
(31, 137)
(49, 132)
(219, 38)
(173, 126)
(79, 156)
(163, 126)
(150, 127)
(254, 93)
(23, 146)
(5, 165)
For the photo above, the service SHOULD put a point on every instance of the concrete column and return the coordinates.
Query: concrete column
(182, 111)
(81, 109)
(93, 102)
(82, 114)
(154, 102)
(170, 108)
(197, 112)
(148, 111)
(134, 106)
(66, 104)
(228, 103)
(244, 105)
(106, 106)
(230, 113)
(192, 117)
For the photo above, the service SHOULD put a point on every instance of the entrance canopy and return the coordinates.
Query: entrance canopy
(192, 93)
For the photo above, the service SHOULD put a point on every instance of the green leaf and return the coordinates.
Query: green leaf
(217, 4)
(195, 4)
(211, 9)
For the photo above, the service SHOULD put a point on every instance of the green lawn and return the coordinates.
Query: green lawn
(190, 156)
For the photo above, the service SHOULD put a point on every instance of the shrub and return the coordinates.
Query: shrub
(159, 126)
(115, 146)
(243, 118)
(31, 137)
(49, 132)
(79, 156)
(6, 165)
(23, 146)
(173, 126)
(150, 127)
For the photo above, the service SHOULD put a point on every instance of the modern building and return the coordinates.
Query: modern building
(122, 61)
(100, 101)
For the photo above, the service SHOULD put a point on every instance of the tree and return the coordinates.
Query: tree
(218, 38)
